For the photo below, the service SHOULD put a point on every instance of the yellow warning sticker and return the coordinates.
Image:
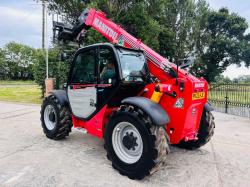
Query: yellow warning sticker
(198, 95)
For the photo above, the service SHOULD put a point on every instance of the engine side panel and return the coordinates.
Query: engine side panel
(184, 121)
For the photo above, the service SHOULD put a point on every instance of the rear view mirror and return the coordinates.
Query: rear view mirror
(186, 63)
(63, 56)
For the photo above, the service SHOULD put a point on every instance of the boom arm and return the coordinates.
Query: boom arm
(159, 66)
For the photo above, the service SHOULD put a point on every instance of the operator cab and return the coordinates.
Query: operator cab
(104, 74)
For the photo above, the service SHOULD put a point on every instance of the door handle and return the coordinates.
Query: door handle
(92, 103)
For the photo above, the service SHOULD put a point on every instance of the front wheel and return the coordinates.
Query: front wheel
(135, 146)
(206, 131)
(56, 119)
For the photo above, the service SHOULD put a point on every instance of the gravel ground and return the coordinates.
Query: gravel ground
(28, 158)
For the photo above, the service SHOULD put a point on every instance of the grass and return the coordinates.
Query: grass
(232, 96)
(16, 82)
(20, 91)
(235, 93)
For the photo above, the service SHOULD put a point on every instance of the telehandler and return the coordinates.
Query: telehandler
(131, 96)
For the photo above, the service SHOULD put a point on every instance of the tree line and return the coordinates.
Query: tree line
(242, 79)
(16, 61)
(22, 62)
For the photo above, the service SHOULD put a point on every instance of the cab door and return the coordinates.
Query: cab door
(82, 92)
(107, 75)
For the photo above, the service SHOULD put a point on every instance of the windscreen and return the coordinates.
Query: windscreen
(132, 64)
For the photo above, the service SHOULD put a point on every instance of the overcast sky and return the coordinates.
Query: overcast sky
(21, 20)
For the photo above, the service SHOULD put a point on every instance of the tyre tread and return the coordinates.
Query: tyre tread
(64, 122)
(157, 135)
(206, 131)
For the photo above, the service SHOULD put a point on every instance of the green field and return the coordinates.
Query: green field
(20, 91)
(16, 82)
(232, 96)
(235, 93)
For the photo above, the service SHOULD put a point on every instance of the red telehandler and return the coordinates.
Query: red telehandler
(128, 94)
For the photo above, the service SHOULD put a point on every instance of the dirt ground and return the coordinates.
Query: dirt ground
(28, 158)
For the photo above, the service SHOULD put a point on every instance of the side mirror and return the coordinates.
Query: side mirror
(63, 56)
(64, 86)
(187, 63)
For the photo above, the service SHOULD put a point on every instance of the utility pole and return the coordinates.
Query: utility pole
(45, 47)
(43, 25)
(46, 43)
(45, 36)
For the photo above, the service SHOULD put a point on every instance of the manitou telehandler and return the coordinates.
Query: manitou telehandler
(129, 95)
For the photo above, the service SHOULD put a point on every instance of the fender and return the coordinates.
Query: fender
(157, 114)
(208, 107)
(61, 96)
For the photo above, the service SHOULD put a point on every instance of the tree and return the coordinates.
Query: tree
(246, 50)
(58, 70)
(135, 16)
(225, 45)
(17, 61)
(177, 29)
(242, 79)
(2, 65)
(69, 9)
(178, 20)
(167, 26)
(222, 79)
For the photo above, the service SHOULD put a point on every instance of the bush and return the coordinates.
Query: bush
(57, 69)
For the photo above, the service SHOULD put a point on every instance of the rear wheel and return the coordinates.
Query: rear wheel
(56, 119)
(135, 146)
(206, 131)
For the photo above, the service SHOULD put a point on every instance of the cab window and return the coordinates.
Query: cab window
(84, 68)
(107, 66)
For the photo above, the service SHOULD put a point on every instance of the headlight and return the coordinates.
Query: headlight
(179, 103)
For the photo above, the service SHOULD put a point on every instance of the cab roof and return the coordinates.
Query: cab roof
(111, 45)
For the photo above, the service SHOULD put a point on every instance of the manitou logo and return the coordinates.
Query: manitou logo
(199, 85)
(104, 28)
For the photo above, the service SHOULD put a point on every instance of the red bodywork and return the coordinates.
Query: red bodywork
(184, 122)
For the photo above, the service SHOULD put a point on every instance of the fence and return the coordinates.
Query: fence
(231, 98)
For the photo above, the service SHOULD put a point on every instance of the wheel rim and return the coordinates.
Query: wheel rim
(127, 142)
(50, 117)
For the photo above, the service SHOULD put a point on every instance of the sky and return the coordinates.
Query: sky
(21, 21)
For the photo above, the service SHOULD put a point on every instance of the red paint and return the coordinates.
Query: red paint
(94, 126)
(184, 122)
(79, 86)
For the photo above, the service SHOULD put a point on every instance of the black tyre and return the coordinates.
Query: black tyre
(206, 131)
(56, 119)
(134, 145)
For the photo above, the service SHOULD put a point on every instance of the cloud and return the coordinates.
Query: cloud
(22, 25)
(248, 30)
(234, 71)
(241, 7)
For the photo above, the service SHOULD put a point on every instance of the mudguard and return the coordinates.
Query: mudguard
(61, 96)
(208, 107)
(157, 114)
